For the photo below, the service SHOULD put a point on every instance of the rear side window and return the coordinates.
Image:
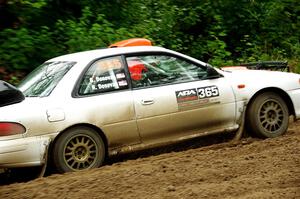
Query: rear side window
(42, 81)
(103, 76)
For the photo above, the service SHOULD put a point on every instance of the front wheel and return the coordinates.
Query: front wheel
(77, 149)
(268, 115)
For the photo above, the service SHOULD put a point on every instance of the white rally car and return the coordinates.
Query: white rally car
(81, 108)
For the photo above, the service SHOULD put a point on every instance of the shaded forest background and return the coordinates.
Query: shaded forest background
(221, 32)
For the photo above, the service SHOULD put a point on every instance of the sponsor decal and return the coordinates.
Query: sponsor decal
(120, 75)
(186, 95)
(122, 83)
(109, 64)
(194, 103)
(193, 97)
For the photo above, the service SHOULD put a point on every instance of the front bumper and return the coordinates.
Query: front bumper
(295, 97)
(24, 152)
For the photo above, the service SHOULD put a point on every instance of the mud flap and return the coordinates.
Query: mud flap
(44, 159)
(241, 129)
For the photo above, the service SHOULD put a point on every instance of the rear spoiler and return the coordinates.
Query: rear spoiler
(9, 94)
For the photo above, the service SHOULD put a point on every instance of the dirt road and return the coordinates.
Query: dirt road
(250, 169)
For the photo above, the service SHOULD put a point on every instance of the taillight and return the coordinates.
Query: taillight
(11, 128)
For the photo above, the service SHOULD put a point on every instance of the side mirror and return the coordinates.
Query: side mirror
(212, 73)
(9, 94)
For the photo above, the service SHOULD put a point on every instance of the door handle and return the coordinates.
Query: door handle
(147, 101)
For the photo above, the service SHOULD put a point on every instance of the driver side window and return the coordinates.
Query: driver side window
(153, 70)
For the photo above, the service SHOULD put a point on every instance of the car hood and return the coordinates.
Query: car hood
(262, 78)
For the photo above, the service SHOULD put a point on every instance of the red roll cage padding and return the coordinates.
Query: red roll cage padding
(136, 68)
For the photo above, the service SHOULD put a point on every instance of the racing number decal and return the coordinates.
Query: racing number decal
(207, 92)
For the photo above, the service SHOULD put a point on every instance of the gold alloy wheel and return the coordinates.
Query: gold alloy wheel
(271, 115)
(80, 152)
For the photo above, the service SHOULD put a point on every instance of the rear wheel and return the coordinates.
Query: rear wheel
(79, 148)
(268, 115)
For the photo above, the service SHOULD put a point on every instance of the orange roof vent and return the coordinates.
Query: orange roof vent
(132, 42)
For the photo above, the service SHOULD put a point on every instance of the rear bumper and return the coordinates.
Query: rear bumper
(295, 97)
(23, 152)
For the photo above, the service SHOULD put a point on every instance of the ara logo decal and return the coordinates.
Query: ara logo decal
(186, 95)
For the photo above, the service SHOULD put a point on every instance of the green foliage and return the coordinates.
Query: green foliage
(24, 49)
(219, 32)
(83, 34)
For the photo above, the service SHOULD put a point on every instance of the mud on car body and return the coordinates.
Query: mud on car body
(95, 104)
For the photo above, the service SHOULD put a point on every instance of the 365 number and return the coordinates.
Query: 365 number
(206, 92)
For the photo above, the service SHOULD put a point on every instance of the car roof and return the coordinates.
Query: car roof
(94, 54)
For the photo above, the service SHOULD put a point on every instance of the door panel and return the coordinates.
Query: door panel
(175, 98)
(106, 101)
(171, 115)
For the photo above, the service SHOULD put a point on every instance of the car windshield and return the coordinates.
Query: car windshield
(44, 79)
